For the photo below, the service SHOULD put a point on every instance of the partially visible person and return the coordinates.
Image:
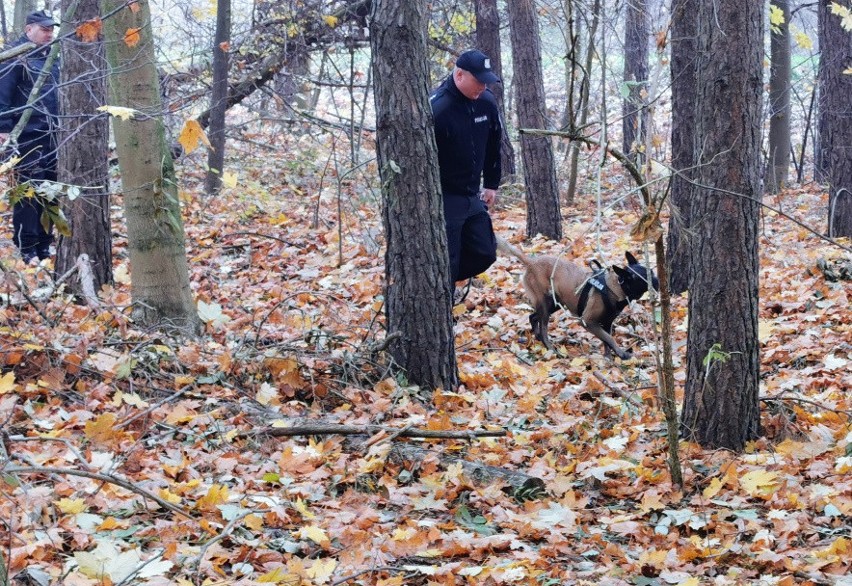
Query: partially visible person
(37, 142)
(468, 133)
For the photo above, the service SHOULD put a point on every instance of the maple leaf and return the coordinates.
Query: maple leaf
(211, 313)
(118, 111)
(803, 41)
(845, 15)
(132, 37)
(776, 18)
(71, 506)
(330, 20)
(321, 571)
(90, 30)
(191, 136)
(315, 534)
(761, 483)
(102, 430)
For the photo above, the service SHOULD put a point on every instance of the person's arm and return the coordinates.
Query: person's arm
(492, 172)
(9, 74)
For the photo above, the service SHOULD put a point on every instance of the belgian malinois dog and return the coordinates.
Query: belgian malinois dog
(597, 299)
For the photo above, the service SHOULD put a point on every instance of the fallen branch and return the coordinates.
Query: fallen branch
(335, 429)
(522, 484)
(108, 478)
(624, 394)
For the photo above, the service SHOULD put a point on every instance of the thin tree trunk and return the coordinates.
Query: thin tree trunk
(778, 165)
(634, 107)
(835, 114)
(83, 152)
(721, 405)
(156, 241)
(488, 41)
(219, 98)
(543, 213)
(419, 300)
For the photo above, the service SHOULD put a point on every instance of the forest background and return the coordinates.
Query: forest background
(282, 445)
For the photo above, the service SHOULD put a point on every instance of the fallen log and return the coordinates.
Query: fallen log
(335, 429)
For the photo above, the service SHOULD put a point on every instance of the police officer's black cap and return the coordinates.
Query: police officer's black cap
(40, 18)
(477, 63)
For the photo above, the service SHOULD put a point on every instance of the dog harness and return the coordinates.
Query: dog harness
(598, 282)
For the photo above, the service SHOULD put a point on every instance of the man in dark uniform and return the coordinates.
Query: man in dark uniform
(37, 141)
(468, 133)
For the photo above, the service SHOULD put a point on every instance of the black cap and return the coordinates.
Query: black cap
(40, 18)
(477, 63)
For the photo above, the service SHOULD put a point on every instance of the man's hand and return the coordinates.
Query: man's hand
(488, 196)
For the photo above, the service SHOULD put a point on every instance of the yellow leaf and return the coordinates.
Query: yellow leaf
(803, 41)
(847, 71)
(7, 383)
(71, 506)
(316, 535)
(759, 482)
(322, 570)
(278, 576)
(132, 37)
(192, 135)
(714, 488)
(689, 582)
(764, 330)
(168, 496)
(300, 506)
(118, 111)
(254, 522)
(102, 429)
(845, 15)
(216, 495)
(229, 179)
(330, 20)
(776, 18)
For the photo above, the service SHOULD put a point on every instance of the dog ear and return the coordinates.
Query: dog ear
(631, 260)
(623, 273)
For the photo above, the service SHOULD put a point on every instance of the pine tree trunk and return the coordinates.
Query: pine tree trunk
(721, 406)
(835, 113)
(418, 300)
(543, 213)
(683, 47)
(778, 165)
(488, 41)
(156, 242)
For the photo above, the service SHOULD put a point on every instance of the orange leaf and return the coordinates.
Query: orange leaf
(192, 135)
(225, 46)
(132, 37)
(89, 31)
(102, 430)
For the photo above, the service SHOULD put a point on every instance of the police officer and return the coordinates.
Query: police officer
(37, 141)
(468, 132)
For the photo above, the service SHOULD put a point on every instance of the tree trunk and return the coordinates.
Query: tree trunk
(835, 114)
(218, 98)
(721, 407)
(488, 41)
(543, 213)
(634, 122)
(22, 9)
(83, 152)
(778, 164)
(683, 72)
(418, 296)
(159, 272)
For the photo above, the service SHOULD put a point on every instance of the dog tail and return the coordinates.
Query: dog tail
(505, 247)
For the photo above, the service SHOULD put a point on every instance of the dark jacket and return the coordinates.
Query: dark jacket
(468, 134)
(16, 82)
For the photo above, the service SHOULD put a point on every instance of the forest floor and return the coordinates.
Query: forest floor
(133, 457)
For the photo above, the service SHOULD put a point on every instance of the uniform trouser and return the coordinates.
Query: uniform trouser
(470, 237)
(29, 235)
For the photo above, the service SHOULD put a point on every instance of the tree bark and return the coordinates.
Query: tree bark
(218, 98)
(543, 213)
(83, 153)
(156, 241)
(634, 121)
(778, 165)
(721, 406)
(488, 41)
(418, 297)
(683, 72)
(835, 115)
